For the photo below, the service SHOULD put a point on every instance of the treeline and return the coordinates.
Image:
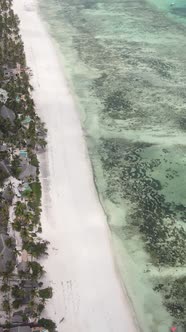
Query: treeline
(22, 136)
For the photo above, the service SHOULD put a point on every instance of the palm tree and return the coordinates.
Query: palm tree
(37, 270)
(5, 287)
(47, 324)
(6, 306)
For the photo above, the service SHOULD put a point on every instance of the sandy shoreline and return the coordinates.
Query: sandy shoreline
(80, 266)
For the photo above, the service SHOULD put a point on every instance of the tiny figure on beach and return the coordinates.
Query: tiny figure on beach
(62, 319)
(54, 249)
(173, 329)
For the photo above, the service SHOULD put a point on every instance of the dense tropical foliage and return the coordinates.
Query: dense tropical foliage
(22, 135)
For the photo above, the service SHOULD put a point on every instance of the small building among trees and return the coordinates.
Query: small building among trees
(7, 255)
(7, 114)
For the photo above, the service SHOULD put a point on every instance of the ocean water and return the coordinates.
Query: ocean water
(176, 10)
(126, 66)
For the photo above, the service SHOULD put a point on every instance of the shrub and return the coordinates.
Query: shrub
(5, 288)
(6, 306)
(37, 270)
(36, 249)
(45, 293)
(47, 324)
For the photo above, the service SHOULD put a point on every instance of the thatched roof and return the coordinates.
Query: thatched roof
(30, 284)
(17, 318)
(23, 266)
(4, 168)
(27, 171)
(20, 329)
(3, 147)
(8, 195)
(6, 113)
(6, 254)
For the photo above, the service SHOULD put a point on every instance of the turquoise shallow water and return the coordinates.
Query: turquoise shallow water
(175, 10)
(126, 65)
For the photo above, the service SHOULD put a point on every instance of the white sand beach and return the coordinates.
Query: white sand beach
(80, 266)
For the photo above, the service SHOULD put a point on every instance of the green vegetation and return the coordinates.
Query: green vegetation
(6, 306)
(16, 166)
(22, 134)
(17, 303)
(3, 176)
(37, 270)
(47, 324)
(10, 242)
(37, 249)
(5, 288)
(17, 292)
(36, 188)
(45, 293)
(4, 215)
(33, 158)
(40, 308)
(35, 201)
